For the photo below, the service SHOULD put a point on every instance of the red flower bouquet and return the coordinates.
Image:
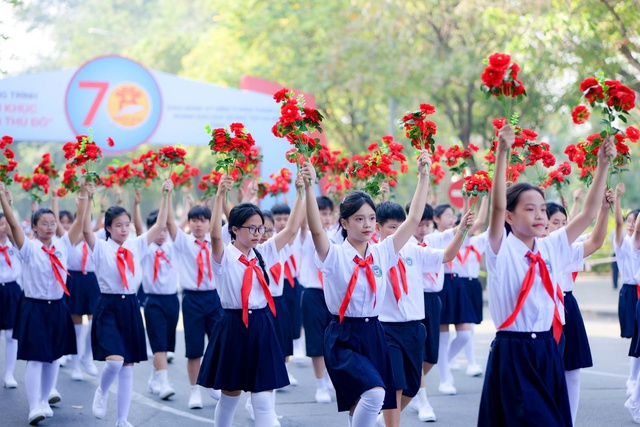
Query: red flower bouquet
(183, 174)
(84, 153)
(8, 163)
(123, 174)
(35, 185)
(500, 80)
(70, 182)
(234, 149)
(559, 177)
(170, 157)
(418, 129)
(281, 182)
(209, 183)
(455, 157)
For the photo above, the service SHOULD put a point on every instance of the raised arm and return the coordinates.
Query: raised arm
(599, 233)
(56, 211)
(454, 245)
(14, 225)
(137, 215)
(480, 219)
(320, 239)
(592, 201)
(188, 203)
(172, 228)
(87, 231)
(406, 230)
(295, 219)
(83, 208)
(506, 138)
(617, 213)
(577, 198)
(217, 244)
(154, 232)
(636, 235)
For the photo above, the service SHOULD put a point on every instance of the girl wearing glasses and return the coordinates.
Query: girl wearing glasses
(244, 352)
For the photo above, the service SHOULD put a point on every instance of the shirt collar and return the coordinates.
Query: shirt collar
(235, 253)
(516, 245)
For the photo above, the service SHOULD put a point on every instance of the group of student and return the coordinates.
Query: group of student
(375, 293)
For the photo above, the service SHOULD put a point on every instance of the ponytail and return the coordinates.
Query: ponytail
(262, 265)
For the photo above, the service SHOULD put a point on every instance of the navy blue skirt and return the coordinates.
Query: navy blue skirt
(431, 322)
(282, 324)
(9, 299)
(117, 328)
(293, 296)
(474, 290)
(84, 292)
(634, 348)
(457, 307)
(161, 314)
(200, 312)
(357, 359)
(241, 358)
(577, 353)
(627, 310)
(44, 330)
(315, 319)
(405, 348)
(524, 383)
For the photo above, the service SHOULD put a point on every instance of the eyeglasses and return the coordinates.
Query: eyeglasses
(269, 231)
(48, 224)
(255, 230)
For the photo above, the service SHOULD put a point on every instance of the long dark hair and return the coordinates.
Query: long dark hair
(352, 204)
(238, 216)
(440, 209)
(634, 212)
(112, 213)
(553, 207)
(35, 217)
(513, 197)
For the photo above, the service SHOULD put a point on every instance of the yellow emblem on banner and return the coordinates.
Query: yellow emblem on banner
(128, 105)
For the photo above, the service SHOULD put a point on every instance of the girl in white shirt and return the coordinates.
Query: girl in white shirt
(10, 272)
(356, 352)
(117, 333)
(43, 327)
(525, 383)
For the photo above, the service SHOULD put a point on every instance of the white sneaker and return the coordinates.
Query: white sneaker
(631, 386)
(46, 409)
(54, 396)
(474, 370)
(380, 420)
(76, 374)
(124, 423)
(634, 410)
(248, 406)
(426, 414)
(166, 391)
(36, 416)
(292, 380)
(89, 366)
(454, 365)
(447, 388)
(63, 361)
(195, 399)
(10, 382)
(99, 407)
(170, 356)
(276, 422)
(215, 394)
(323, 396)
(328, 384)
(153, 385)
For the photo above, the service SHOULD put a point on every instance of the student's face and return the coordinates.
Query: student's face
(269, 232)
(280, 221)
(120, 228)
(630, 223)
(445, 221)
(66, 222)
(388, 228)
(326, 216)
(199, 227)
(424, 228)
(557, 221)
(361, 225)
(529, 218)
(46, 226)
(162, 237)
(244, 236)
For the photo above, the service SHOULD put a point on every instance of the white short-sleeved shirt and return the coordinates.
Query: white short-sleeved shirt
(418, 261)
(11, 273)
(167, 280)
(188, 250)
(309, 272)
(75, 258)
(226, 237)
(230, 273)
(276, 274)
(624, 258)
(38, 279)
(431, 282)
(105, 259)
(636, 264)
(438, 240)
(476, 246)
(506, 271)
(576, 264)
(337, 269)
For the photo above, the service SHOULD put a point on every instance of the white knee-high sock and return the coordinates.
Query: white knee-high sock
(263, 409)
(88, 350)
(634, 368)
(443, 358)
(368, 408)
(75, 358)
(469, 349)
(10, 353)
(125, 388)
(225, 409)
(458, 343)
(109, 374)
(573, 389)
(33, 383)
(49, 378)
(422, 397)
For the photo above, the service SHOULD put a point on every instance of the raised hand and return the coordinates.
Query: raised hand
(424, 163)
(308, 173)
(506, 138)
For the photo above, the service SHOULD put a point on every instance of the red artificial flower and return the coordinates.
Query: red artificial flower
(281, 95)
(9, 154)
(61, 192)
(620, 96)
(427, 109)
(580, 114)
(633, 134)
(500, 60)
(592, 90)
(110, 142)
(492, 77)
(6, 140)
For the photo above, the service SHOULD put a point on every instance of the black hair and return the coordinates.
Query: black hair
(1, 215)
(458, 218)
(440, 209)
(427, 213)
(352, 204)
(152, 218)
(237, 217)
(64, 213)
(35, 217)
(513, 196)
(553, 207)
(281, 209)
(324, 203)
(268, 215)
(389, 211)
(633, 212)
(199, 212)
(112, 213)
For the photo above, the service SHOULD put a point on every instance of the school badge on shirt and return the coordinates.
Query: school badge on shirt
(408, 260)
(377, 271)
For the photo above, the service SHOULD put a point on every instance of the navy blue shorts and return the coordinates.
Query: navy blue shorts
(10, 294)
(627, 310)
(315, 319)
(117, 329)
(161, 314)
(431, 322)
(142, 296)
(200, 311)
(244, 358)
(282, 324)
(293, 296)
(84, 292)
(474, 290)
(357, 359)
(457, 307)
(44, 330)
(577, 352)
(524, 383)
(405, 348)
